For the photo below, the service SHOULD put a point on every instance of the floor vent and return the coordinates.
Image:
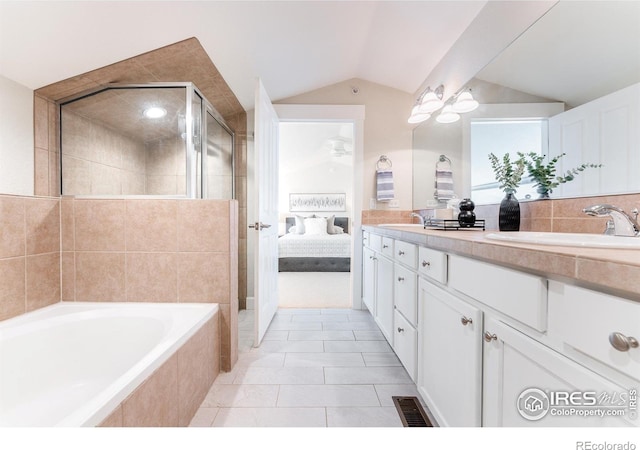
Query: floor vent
(411, 412)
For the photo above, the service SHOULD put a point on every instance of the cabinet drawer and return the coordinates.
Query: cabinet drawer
(405, 344)
(586, 320)
(387, 246)
(433, 264)
(406, 253)
(375, 242)
(404, 293)
(516, 294)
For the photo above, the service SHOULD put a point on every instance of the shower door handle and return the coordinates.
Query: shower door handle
(258, 226)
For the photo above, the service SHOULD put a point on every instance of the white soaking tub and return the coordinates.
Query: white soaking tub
(72, 363)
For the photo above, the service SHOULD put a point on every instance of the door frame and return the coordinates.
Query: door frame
(353, 114)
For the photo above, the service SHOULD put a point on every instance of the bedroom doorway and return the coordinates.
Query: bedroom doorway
(316, 181)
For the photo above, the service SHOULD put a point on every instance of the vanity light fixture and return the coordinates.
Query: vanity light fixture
(431, 100)
(154, 112)
(448, 115)
(416, 116)
(464, 102)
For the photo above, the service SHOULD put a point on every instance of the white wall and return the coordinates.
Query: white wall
(307, 166)
(16, 138)
(386, 131)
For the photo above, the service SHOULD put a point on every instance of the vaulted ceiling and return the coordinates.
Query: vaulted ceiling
(294, 46)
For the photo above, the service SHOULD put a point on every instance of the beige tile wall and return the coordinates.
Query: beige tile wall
(172, 394)
(29, 254)
(560, 215)
(557, 215)
(183, 61)
(98, 161)
(152, 250)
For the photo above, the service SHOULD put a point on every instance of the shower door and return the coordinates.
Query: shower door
(218, 161)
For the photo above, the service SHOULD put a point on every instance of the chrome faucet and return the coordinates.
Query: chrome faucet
(621, 223)
(422, 219)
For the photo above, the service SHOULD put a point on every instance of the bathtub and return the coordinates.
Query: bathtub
(73, 363)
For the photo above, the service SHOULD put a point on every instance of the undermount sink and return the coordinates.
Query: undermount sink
(567, 239)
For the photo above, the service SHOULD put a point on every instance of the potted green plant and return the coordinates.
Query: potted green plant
(544, 175)
(508, 174)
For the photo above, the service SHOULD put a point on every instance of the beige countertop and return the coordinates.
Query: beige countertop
(611, 270)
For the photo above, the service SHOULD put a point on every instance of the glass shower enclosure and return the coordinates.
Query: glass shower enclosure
(153, 139)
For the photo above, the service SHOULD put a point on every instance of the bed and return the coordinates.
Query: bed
(314, 251)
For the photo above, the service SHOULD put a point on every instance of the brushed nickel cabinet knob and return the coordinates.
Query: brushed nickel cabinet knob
(621, 342)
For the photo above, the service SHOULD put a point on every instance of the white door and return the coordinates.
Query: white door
(266, 216)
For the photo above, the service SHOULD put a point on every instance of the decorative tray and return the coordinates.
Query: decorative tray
(449, 224)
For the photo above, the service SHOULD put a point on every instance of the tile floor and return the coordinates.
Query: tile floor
(315, 368)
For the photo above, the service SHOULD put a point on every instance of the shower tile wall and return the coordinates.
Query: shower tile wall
(186, 60)
(101, 161)
(166, 170)
(29, 254)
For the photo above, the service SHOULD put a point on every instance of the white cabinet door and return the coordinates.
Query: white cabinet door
(384, 297)
(369, 279)
(526, 384)
(404, 294)
(450, 356)
(405, 343)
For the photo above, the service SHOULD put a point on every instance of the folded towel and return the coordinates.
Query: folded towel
(444, 184)
(384, 184)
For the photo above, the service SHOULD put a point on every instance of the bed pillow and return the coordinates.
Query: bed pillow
(337, 230)
(331, 227)
(315, 226)
(299, 226)
(293, 230)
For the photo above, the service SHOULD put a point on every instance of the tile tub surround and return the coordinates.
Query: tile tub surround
(171, 396)
(54, 249)
(315, 368)
(29, 254)
(612, 270)
(154, 250)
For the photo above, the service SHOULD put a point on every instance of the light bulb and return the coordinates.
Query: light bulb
(448, 115)
(465, 103)
(430, 103)
(155, 112)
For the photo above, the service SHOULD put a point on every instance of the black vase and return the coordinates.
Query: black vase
(509, 214)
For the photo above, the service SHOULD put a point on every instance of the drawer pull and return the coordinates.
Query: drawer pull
(621, 342)
(426, 264)
(466, 321)
(400, 253)
(489, 337)
(400, 330)
(400, 279)
(385, 246)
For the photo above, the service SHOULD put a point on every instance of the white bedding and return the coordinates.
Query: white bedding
(314, 246)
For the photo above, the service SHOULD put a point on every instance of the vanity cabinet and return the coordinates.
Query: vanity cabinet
(377, 284)
(599, 328)
(450, 362)
(405, 340)
(517, 369)
(488, 345)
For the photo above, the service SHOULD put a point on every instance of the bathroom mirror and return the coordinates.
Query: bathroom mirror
(575, 54)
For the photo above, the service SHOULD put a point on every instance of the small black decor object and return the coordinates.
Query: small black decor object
(466, 217)
(509, 214)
